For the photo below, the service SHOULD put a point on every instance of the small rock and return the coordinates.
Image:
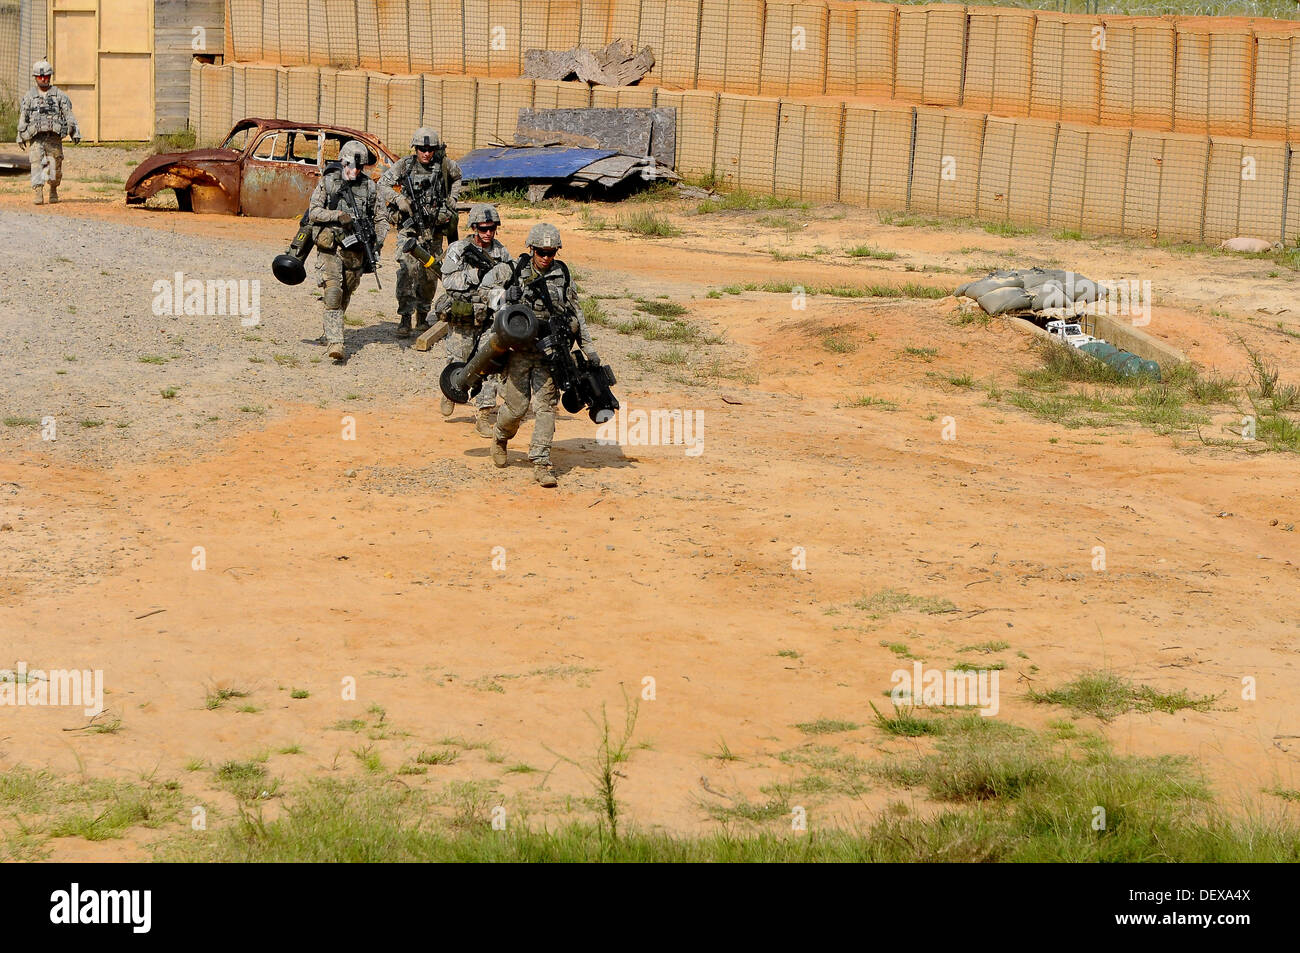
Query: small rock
(349, 473)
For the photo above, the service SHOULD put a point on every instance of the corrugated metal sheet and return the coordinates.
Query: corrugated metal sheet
(531, 164)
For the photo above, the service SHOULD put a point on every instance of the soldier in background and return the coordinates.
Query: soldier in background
(44, 118)
(527, 374)
(340, 260)
(435, 184)
(464, 267)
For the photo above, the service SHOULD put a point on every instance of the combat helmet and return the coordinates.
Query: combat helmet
(42, 68)
(543, 235)
(483, 214)
(426, 138)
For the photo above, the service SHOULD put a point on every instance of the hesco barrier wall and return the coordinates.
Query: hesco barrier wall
(1211, 75)
(1160, 127)
(951, 162)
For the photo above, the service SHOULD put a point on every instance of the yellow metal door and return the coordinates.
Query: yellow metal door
(103, 60)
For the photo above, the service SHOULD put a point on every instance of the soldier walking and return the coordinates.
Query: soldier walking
(425, 210)
(342, 195)
(462, 306)
(544, 284)
(44, 118)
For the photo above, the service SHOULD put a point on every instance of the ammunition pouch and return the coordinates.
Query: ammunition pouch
(461, 311)
(325, 238)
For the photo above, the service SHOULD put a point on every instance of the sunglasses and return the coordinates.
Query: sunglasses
(486, 228)
(545, 252)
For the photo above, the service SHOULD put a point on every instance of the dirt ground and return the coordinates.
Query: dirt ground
(467, 602)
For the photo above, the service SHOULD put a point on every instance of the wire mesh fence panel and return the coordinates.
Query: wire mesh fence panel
(1291, 231)
(431, 103)
(1142, 184)
(680, 44)
(271, 31)
(697, 128)
(329, 91)
(245, 29)
(875, 48)
(293, 33)
(946, 162)
(651, 25)
(341, 22)
(302, 94)
(1137, 72)
(929, 54)
(1033, 187)
(448, 36)
(999, 54)
(238, 91)
(477, 37)
(594, 27)
(459, 103)
(1105, 172)
(350, 88)
(318, 34)
(261, 88)
(635, 97)
(1276, 57)
(1245, 189)
(404, 110)
(1182, 187)
(995, 185)
(1069, 203)
(875, 163)
(1213, 78)
(368, 53)
(1067, 68)
(394, 38)
(841, 48)
(377, 105)
(563, 19)
(505, 44)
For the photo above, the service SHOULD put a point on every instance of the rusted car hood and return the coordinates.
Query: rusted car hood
(193, 157)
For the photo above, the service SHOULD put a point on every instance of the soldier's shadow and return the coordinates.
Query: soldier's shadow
(580, 453)
(384, 333)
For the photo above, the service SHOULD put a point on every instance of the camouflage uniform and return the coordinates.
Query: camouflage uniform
(460, 280)
(339, 269)
(438, 185)
(44, 118)
(527, 375)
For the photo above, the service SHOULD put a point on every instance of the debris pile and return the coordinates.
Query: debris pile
(581, 150)
(618, 64)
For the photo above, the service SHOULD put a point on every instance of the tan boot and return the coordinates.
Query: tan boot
(38, 195)
(485, 421)
(544, 474)
(336, 352)
(499, 452)
(54, 194)
(447, 407)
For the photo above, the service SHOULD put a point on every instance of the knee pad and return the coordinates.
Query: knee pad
(333, 296)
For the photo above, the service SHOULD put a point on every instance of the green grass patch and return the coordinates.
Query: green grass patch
(870, 251)
(888, 601)
(826, 726)
(1106, 695)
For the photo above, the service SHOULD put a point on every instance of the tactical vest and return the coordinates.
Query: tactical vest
(429, 185)
(334, 186)
(549, 302)
(45, 114)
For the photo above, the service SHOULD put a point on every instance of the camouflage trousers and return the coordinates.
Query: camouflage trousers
(460, 347)
(528, 383)
(415, 283)
(46, 154)
(337, 274)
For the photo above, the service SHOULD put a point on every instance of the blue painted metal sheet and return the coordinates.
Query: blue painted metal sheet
(531, 164)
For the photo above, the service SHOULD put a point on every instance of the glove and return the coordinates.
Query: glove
(444, 216)
(514, 294)
(592, 356)
(76, 140)
(402, 204)
(345, 217)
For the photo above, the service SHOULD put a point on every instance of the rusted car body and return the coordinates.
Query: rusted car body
(264, 167)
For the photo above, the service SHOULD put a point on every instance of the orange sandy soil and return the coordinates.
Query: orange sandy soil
(648, 563)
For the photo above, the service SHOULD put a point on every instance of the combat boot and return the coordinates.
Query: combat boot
(403, 325)
(485, 421)
(336, 352)
(38, 195)
(54, 194)
(499, 451)
(448, 407)
(544, 474)
(421, 323)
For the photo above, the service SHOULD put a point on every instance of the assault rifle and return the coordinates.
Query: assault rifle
(419, 213)
(363, 232)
